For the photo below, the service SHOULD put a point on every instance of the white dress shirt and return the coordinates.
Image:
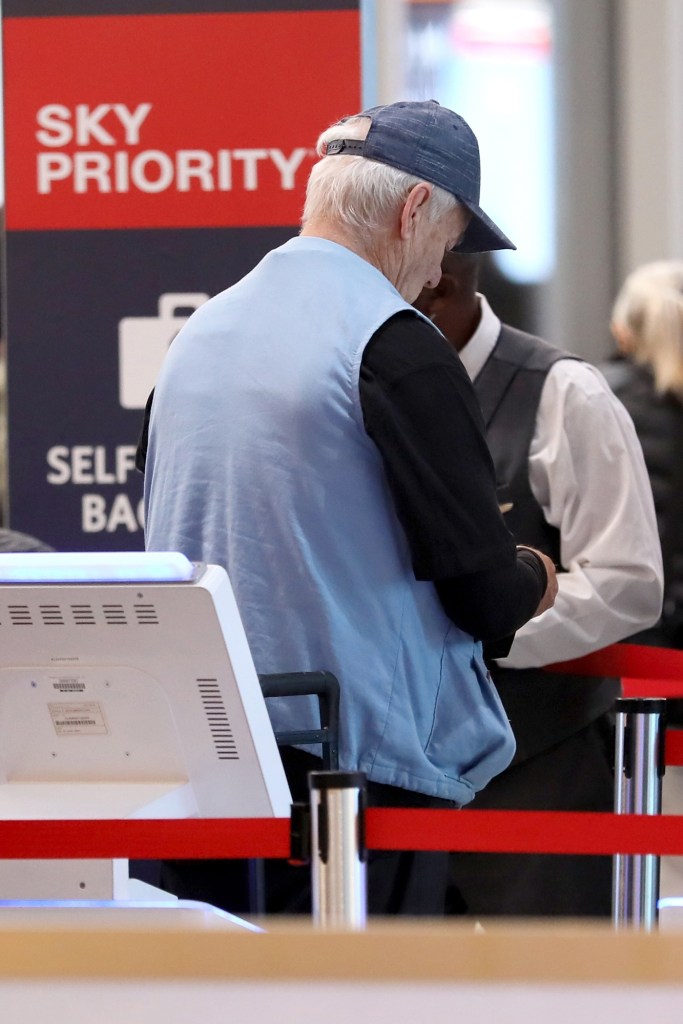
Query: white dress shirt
(586, 471)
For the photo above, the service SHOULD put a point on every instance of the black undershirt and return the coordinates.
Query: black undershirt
(420, 409)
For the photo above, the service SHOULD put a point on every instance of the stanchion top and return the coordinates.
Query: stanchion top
(640, 705)
(336, 780)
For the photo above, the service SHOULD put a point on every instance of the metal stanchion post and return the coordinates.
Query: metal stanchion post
(338, 849)
(638, 771)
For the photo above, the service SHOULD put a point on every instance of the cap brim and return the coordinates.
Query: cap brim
(481, 234)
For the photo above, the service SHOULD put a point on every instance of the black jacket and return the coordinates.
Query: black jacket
(658, 420)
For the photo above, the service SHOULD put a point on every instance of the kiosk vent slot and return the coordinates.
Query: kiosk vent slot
(146, 615)
(114, 614)
(20, 615)
(83, 614)
(51, 615)
(219, 724)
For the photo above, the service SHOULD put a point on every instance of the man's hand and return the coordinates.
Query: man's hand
(548, 599)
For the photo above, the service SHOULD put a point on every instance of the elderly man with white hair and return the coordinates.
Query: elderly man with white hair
(293, 437)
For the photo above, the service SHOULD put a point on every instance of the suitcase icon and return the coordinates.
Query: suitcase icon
(143, 343)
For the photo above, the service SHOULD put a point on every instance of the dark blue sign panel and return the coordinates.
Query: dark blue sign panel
(151, 160)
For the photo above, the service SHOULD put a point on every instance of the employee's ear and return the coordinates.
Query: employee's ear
(446, 286)
(431, 298)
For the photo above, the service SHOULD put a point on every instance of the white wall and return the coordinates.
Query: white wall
(650, 131)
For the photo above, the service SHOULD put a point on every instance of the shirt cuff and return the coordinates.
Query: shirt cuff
(535, 562)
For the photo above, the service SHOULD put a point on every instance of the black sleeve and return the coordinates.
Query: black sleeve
(493, 603)
(420, 409)
(143, 439)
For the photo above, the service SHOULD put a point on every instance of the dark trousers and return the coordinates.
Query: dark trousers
(407, 883)
(575, 775)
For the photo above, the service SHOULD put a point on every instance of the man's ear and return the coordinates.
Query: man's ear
(415, 207)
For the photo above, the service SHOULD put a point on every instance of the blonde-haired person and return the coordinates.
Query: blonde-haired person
(647, 376)
(647, 323)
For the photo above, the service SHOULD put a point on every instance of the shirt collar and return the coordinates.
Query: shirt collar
(483, 341)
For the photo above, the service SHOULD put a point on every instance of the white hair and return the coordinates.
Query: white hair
(649, 308)
(359, 193)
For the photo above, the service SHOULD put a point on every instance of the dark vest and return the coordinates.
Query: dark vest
(544, 708)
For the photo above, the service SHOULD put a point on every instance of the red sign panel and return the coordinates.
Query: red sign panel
(188, 120)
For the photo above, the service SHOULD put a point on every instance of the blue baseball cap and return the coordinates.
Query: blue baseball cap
(437, 145)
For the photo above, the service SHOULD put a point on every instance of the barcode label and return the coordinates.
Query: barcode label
(83, 719)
